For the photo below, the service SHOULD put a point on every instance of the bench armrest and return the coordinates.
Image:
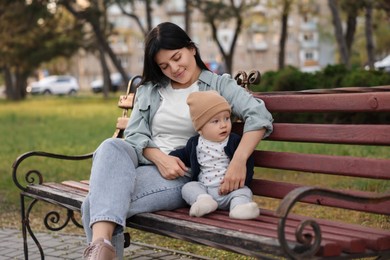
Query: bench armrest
(310, 243)
(35, 176)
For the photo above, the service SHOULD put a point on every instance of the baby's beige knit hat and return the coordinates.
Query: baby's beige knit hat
(204, 105)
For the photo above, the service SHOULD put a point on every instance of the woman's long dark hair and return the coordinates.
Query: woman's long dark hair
(168, 36)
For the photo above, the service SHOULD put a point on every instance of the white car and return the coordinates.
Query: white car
(56, 85)
(117, 83)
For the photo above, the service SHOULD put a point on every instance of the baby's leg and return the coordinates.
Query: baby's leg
(242, 205)
(195, 194)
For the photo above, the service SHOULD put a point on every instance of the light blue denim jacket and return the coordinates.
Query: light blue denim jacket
(147, 100)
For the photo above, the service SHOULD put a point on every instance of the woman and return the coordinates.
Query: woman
(136, 174)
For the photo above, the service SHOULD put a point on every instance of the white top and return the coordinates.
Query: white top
(213, 161)
(173, 116)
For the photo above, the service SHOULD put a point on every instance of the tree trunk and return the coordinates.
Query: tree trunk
(15, 84)
(107, 49)
(106, 73)
(351, 29)
(369, 35)
(21, 85)
(283, 33)
(344, 55)
(282, 42)
(99, 36)
(9, 89)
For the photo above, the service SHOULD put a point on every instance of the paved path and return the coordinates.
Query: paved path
(59, 246)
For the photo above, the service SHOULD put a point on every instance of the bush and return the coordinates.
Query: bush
(266, 83)
(333, 76)
(364, 78)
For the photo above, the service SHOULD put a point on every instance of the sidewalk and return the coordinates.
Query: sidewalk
(59, 246)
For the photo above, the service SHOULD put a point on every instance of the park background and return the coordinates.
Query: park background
(295, 44)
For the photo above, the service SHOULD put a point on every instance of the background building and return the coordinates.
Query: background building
(308, 46)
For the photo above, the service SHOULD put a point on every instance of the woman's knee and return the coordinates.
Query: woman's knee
(116, 148)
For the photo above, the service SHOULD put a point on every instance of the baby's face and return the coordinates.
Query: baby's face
(217, 128)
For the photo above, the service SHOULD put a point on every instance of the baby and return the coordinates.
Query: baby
(208, 155)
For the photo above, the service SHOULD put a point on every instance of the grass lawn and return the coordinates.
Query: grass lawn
(77, 125)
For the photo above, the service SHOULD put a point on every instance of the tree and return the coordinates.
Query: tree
(286, 8)
(369, 34)
(131, 12)
(216, 13)
(353, 9)
(92, 14)
(338, 29)
(32, 34)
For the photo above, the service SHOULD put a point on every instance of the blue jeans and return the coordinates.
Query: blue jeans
(120, 188)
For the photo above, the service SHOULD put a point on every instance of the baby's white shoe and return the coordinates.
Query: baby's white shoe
(245, 211)
(204, 204)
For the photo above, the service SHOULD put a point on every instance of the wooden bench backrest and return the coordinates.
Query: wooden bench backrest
(317, 103)
(292, 105)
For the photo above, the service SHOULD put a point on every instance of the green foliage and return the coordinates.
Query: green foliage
(33, 33)
(332, 76)
(267, 82)
(287, 79)
(364, 78)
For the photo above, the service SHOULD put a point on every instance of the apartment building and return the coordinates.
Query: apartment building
(309, 46)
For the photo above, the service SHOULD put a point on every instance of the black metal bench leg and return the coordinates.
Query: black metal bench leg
(26, 227)
(24, 231)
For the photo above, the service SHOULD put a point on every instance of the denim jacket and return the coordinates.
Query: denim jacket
(147, 100)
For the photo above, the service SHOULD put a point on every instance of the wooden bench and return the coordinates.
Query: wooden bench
(277, 232)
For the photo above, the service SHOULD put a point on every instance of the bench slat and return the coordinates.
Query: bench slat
(58, 194)
(348, 243)
(77, 185)
(328, 247)
(275, 189)
(205, 234)
(328, 133)
(336, 134)
(328, 164)
(348, 102)
(375, 239)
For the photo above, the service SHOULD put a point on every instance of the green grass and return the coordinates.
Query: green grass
(77, 125)
(64, 125)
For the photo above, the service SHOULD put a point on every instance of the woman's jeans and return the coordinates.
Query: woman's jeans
(120, 188)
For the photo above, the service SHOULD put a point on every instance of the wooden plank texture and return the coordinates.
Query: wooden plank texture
(327, 164)
(328, 133)
(348, 102)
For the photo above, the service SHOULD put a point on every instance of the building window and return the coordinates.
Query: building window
(309, 55)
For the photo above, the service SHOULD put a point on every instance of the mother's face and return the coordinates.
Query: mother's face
(178, 65)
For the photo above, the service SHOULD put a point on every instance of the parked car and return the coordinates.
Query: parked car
(55, 85)
(117, 83)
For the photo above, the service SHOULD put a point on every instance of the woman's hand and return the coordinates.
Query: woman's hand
(170, 167)
(234, 177)
(236, 172)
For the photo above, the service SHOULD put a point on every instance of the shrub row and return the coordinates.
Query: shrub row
(333, 76)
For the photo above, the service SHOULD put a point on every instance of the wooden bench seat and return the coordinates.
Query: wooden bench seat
(309, 117)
